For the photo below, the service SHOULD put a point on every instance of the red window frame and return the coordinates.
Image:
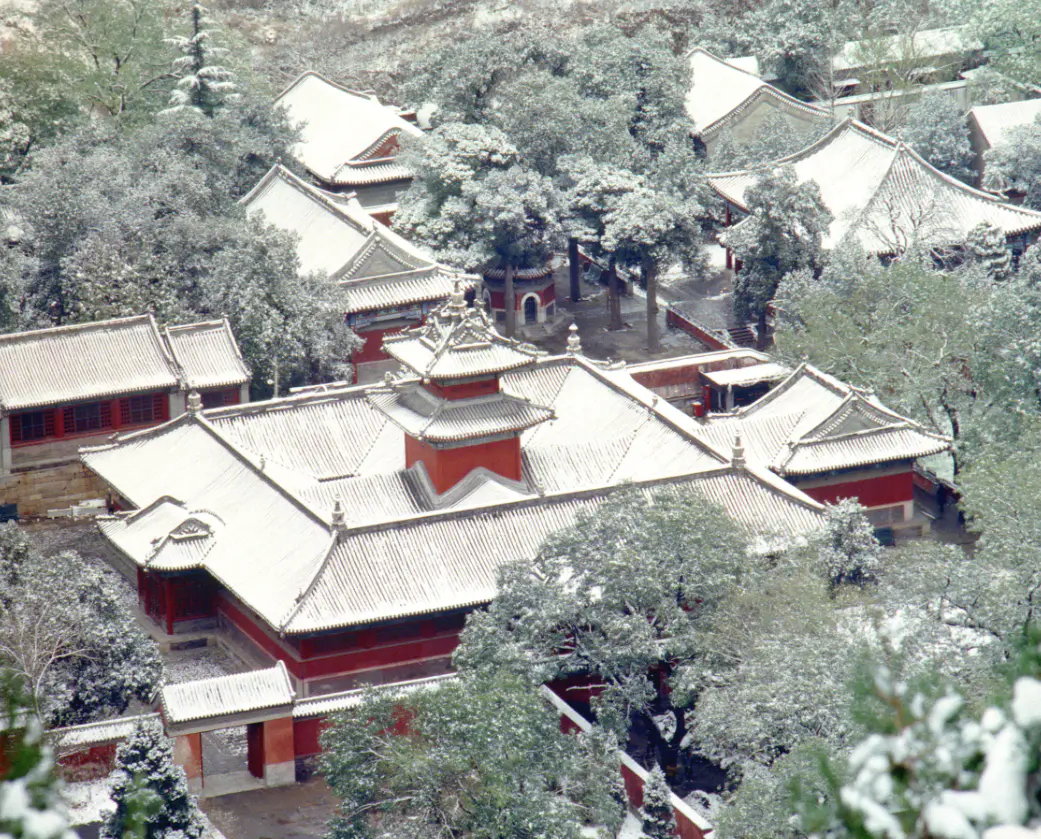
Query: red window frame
(220, 398)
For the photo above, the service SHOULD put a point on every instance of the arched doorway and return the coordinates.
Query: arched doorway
(531, 309)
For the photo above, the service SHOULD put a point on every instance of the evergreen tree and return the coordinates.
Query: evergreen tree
(784, 232)
(144, 761)
(203, 85)
(30, 807)
(656, 815)
(937, 130)
(849, 551)
(986, 244)
(1015, 165)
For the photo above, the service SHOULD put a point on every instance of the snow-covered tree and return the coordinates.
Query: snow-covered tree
(773, 139)
(144, 763)
(658, 821)
(848, 551)
(950, 378)
(791, 39)
(475, 204)
(937, 130)
(986, 246)
(786, 224)
(67, 633)
(932, 767)
(622, 597)
(474, 757)
(1015, 165)
(202, 85)
(30, 806)
(1012, 34)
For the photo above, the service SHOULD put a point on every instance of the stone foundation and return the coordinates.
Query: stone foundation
(36, 491)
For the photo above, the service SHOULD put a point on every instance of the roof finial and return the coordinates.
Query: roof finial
(457, 301)
(738, 457)
(339, 519)
(194, 402)
(574, 342)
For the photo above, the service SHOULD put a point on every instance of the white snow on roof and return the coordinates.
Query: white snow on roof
(339, 125)
(113, 357)
(813, 423)
(96, 733)
(743, 376)
(226, 695)
(335, 235)
(882, 192)
(249, 490)
(922, 48)
(720, 90)
(994, 121)
(207, 354)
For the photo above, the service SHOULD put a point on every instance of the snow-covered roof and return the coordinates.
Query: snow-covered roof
(224, 696)
(744, 376)
(377, 268)
(207, 354)
(922, 47)
(422, 415)
(812, 423)
(97, 733)
(721, 91)
(321, 706)
(457, 341)
(341, 126)
(880, 191)
(994, 121)
(247, 492)
(113, 357)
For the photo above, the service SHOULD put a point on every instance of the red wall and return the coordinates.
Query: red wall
(305, 736)
(410, 642)
(373, 349)
(464, 390)
(871, 492)
(447, 467)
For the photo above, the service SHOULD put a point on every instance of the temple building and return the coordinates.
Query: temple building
(68, 386)
(534, 296)
(834, 441)
(389, 284)
(728, 100)
(884, 196)
(349, 141)
(348, 531)
(989, 126)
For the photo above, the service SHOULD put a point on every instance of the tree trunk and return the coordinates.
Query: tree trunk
(573, 266)
(649, 269)
(762, 340)
(614, 298)
(510, 302)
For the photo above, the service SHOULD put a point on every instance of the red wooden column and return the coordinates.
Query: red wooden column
(168, 595)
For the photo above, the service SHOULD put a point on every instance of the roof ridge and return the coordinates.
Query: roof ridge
(327, 80)
(78, 327)
(765, 89)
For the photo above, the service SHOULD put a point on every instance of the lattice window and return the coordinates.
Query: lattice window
(220, 398)
(32, 425)
(83, 419)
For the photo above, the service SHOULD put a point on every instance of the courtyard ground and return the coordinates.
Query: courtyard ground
(300, 811)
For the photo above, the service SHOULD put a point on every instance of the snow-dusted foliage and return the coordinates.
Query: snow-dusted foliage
(482, 756)
(783, 232)
(986, 246)
(622, 598)
(849, 551)
(30, 807)
(1015, 165)
(954, 353)
(656, 816)
(937, 130)
(202, 84)
(151, 791)
(933, 768)
(474, 203)
(172, 240)
(66, 632)
(774, 138)
(1012, 32)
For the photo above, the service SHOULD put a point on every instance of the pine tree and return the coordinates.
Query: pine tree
(659, 822)
(145, 762)
(986, 244)
(203, 86)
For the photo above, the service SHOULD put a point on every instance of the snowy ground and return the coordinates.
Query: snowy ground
(90, 803)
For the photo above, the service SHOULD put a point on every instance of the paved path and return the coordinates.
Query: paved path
(300, 811)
